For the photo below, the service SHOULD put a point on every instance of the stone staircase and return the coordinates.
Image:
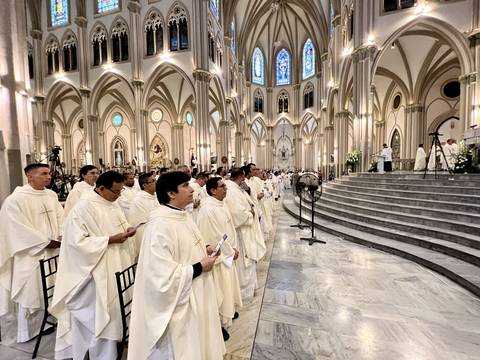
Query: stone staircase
(434, 222)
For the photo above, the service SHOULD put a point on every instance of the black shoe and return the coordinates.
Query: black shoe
(235, 316)
(225, 334)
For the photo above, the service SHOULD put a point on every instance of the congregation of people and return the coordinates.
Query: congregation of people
(195, 243)
(440, 157)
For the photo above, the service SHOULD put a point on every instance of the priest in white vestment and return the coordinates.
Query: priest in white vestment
(251, 242)
(258, 194)
(174, 309)
(214, 221)
(142, 204)
(88, 177)
(97, 243)
(387, 155)
(199, 193)
(420, 159)
(450, 151)
(128, 192)
(30, 222)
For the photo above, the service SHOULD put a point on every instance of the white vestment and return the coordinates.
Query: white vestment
(250, 236)
(214, 220)
(257, 186)
(420, 160)
(85, 300)
(173, 316)
(80, 189)
(450, 153)
(141, 206)
(199, 194)
(29, 219)
(125, 200)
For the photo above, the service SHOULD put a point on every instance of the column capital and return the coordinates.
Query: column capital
(329, 127)
(39, 99)
(228, 100)
(85, 91)
(474, 34)
(202, 75)
(269, 90)
(248, 84)
(296, 87)
(66, 136)
(337, 20)
(138, 82)
(238, 133)
(227, 40)
(144, 112)
(178, 126)
(363, 52)
(36, 34)
(92, 118)
(324, 56)
(81, 21)
(134, 7)
(342, 114)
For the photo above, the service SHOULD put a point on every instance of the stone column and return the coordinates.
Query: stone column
(298, 145)
(247, 150)
(83, 55)
(329, 143)
(89, 141)
(136, 34)
(337, 48)
(296, 104)
(177, 145)
(141, 125)
(269, 147)
(380, 136)
(363, 103)
(238, 148)
(341, 140)
(222, 148)
(270, 106)
(92, 140)
(38, 55)
(67, 151)
(202, 133)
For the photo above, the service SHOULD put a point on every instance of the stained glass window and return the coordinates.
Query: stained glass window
(107, 5)
(189, 119)
(283, 67)
(117, 120)
(308, 59)
(214, 7)
(258, 67)
(58, 12)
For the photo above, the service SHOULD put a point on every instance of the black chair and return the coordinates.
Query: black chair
(48, 268)
(125, 280)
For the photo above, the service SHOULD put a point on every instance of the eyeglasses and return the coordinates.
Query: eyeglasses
(118, 193)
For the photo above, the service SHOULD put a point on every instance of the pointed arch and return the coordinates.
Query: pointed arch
(283, 67)
(105, 81)
(308, 59)
(258, 67)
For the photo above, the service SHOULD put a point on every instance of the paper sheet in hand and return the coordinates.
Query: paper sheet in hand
(219, 245)
(136, 227)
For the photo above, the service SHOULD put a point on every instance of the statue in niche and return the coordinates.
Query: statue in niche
(158, 152)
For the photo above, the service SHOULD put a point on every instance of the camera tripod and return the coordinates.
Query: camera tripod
(57, 173)
(436, 144)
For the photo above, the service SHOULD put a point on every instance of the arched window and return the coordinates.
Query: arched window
(153, 33)
(219, 53)
(258, 67)
(53, 55)
(308, 59)
(119, 38)
(30, 61)
(283, 102)
(69, 52)
(189, 119)
(395, 145)
(99, 45)
(258, 102)
(178, 29)
(233, 34)
(392, 5)
(283, 67)
(211, 47)
(106, 6)
(308, 96)
(59, 13)
(214, 7)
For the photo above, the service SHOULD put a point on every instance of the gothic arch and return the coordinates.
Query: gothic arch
(99, 88)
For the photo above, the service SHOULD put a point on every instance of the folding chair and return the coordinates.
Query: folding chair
(48, 268)
(125, 280)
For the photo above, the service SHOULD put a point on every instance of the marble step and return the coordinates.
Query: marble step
(470, 225)
(373, 222)
(411, 187)
(429, 182)
(463, 273)
(410, 202)
(447, 197)
(416, 175)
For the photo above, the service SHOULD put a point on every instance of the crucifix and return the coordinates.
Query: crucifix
(48, 218)
(122, 223)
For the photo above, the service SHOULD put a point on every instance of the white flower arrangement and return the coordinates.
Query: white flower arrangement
(460, 158)
(353, 157)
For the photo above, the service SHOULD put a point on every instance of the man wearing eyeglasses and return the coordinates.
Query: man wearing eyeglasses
(98, 241)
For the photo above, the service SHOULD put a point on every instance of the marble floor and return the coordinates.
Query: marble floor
(338, 301)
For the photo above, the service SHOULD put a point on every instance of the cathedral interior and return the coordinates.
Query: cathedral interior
(284, 84)
(288, 85)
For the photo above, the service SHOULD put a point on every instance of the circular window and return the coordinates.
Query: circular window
(396, 101)
(80, 123)
(157, 115)
(452, 89)
(189, 119)
(117, 120)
